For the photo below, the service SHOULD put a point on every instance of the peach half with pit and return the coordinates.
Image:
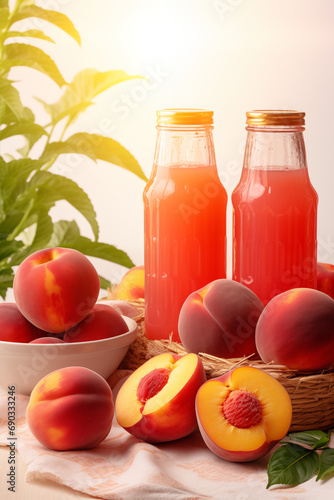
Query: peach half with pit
(70, 409)
(296, 329)
(56, 288)
(157, 402)
(243, 413)
(220, 319)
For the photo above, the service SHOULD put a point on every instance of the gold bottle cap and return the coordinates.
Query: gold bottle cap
(273, 117)
(191, 117)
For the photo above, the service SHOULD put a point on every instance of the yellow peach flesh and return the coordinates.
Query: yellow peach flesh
(129, 409)
(211, 397)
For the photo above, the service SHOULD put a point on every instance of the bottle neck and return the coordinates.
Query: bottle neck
(278, 148)
(186, 147)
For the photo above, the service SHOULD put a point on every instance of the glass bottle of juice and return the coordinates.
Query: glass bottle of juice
(274, 208)
(184, 218)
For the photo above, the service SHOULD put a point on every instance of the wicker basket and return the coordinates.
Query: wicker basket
(312, 394)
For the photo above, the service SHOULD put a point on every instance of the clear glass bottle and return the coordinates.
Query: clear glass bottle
(274, 207)
(184, 218)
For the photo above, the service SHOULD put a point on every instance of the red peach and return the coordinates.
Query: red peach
(295, 329)
(56, 288)
(101, 323)
(14, 327)
(47, 340)
(131, 286)
(220, 319)
(325, 278)
(70, 409)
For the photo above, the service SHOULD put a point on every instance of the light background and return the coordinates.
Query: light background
(226, 55)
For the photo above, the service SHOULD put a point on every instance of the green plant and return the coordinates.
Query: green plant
(305, 455)
(28, 188)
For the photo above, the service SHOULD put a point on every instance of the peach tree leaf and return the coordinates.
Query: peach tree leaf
(52, 16)
(314, 439)
(292, 464)
(326, 463)
(53, 187)
(78, 94)
(6, 281)
(28, 34)
(32, 131)
(96, 147)
(10, 97)
(4, 13)
(22, 54)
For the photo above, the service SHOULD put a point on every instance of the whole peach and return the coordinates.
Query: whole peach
(47, 340)
(296, 329)
(131, 286)
(325, 278)
(102, 322)
(56, 288)
(14, 327)
(70, 409)
(220, 319)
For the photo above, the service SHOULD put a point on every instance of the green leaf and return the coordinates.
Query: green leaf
(22, 54)
(52, 16)
(28, 33)
(6, 281)
(7, 248)
(52, 187)
(10, 96)
(78, 95)
(326, 463)
(4, 14)
(292, 464)
(8, 117)
(66, 234)
(14, 175)
(96, 147)
(104, 283)
(315, 439)
(32, 131)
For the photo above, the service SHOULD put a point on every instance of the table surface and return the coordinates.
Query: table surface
(38, 490)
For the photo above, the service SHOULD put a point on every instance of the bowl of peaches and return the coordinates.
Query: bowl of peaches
(56, 321)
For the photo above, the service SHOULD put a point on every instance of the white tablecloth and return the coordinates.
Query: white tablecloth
(123, 467)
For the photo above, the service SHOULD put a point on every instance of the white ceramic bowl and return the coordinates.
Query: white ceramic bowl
(23, 365)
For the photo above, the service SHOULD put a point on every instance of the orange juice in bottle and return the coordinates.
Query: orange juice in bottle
(184, 218)
(274, 208)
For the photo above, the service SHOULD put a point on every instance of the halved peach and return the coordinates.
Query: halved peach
(243, 413)
(157, 402)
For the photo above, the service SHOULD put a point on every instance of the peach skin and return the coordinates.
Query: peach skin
(70, 409)
(131, 286)
(157, 402)
(296, 330)
(325, 278)
(14, 327)
(56, 288)
(220, 319)
(101, 323)
(243, 414)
